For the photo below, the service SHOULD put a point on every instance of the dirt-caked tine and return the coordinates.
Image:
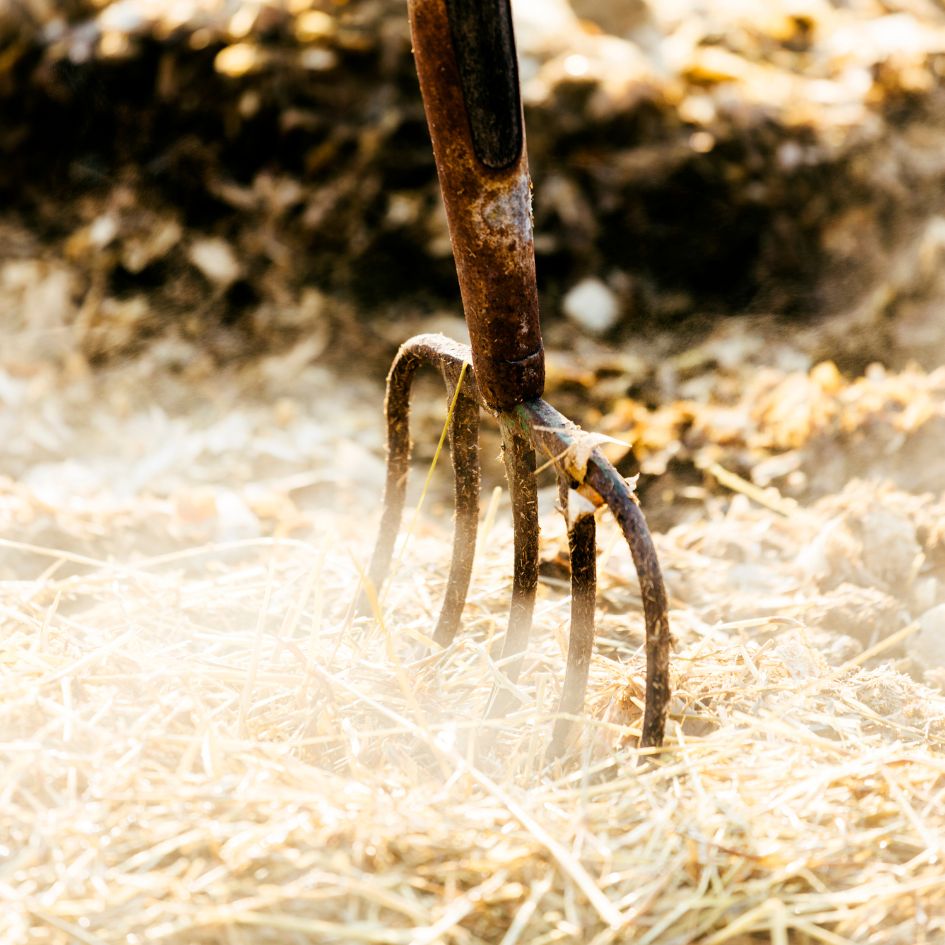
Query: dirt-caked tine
(397, 414)
(518, 454)
(464, 450)
(578, 513)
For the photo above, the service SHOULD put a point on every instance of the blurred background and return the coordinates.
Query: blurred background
(739, 230)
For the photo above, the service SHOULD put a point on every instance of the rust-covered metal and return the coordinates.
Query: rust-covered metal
(488, 208)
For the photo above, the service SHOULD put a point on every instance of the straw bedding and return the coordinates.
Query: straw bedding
(199, 745)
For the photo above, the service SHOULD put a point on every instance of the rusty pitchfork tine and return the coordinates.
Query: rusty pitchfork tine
(466, 63)
(582, 529)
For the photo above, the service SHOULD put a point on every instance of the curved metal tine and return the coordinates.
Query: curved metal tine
(560, 438)
(613, 489)
(582, 549)
(519, 457)
(464, 450)
(448, 357)
(397, 413)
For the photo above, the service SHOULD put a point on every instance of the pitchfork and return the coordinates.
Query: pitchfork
(465, 55)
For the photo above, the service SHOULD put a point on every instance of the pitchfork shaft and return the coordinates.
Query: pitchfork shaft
(465, 55)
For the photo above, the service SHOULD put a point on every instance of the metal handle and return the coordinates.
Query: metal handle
(465, 55)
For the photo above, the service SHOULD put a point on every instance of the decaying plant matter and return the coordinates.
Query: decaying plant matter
(469, 78)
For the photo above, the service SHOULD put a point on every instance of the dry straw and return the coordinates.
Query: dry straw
(197, 747)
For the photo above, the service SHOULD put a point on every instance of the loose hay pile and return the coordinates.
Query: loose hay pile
(196, 746)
